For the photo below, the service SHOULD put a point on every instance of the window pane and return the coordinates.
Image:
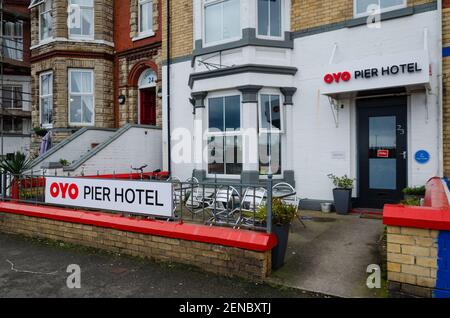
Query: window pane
(46, 25)
(232, 113)
(213, 23)
(75, 109)
(17, 92)
(75, 82)
(216, 114)
(383, 174)
(146, 17)
(269, 144)
(233, 155)
(231, 19)
(18, 125)
(7, 97)
(46, 111)
(87, 109)
(275, 17)
(8, 124)
(265, 111)
(86, 22)
(46, 84)
(263, 17)
(276, 112)
(390, 3)
(87, 82)
(362, 6)
(216, 155)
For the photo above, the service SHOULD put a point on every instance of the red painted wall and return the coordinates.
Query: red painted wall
(122, 39)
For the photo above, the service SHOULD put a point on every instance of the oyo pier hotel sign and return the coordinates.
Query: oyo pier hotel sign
(377, 72)
(140, 197)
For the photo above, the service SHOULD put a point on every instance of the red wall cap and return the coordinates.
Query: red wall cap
(417, 217)
(248, 240)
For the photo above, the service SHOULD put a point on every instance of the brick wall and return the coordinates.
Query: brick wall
(103, 21)
(307, 14)
(221, 260)
(181, 28)
(412, 260)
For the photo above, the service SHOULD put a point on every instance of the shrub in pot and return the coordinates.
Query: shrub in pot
(15, 165)
(414, 193)
(342, 193)
(282, 217)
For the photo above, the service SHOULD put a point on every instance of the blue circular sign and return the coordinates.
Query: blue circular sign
(422, 157)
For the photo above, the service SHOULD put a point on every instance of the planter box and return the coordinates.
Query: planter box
(279, 251)
(342, 200)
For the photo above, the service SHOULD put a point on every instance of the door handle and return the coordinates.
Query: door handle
(404, 154)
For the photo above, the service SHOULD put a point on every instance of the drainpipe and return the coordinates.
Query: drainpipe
(169, 143)
(440, 96)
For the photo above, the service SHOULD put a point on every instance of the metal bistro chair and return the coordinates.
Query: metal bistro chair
(198, 197)
(222, 207)
(288, 196)
(253, 199)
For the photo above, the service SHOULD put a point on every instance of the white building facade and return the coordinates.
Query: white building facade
(355, 99)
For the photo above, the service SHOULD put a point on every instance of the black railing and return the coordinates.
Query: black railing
(234, 205)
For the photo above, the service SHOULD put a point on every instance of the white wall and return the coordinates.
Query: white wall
(134, 148)
(79, 146)
(14, 144)
(314, 134)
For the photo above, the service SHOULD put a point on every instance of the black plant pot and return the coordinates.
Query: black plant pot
(279, 251)
(342, 200)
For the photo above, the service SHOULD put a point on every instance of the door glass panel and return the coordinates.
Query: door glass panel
(383, 153)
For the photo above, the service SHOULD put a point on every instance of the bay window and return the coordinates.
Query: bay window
(366, 7)
(145, 17)
(270, 133)
(46, 99)
(81, 92)
(222, 20)
(269, 18)
(46, 20)
(224, 136)
(81, 18)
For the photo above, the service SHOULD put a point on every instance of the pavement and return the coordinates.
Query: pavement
(37, 268)
(331, 255)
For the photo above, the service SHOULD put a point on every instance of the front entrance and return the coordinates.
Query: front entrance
(147, 110)
(382, 148)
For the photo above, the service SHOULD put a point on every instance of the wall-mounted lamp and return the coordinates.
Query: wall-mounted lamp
(160, 95)
(122, 99)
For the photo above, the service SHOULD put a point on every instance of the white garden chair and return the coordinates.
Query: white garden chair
(289, 197)
(221, 208)
(252, 200)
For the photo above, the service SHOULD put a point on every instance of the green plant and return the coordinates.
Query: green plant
(16, 164)
(412, 202)
(342, 182)
(64, 162)
(41, 132)
(416, 191)
(282, 214)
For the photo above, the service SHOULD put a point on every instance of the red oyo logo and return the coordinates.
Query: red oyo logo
(331, 78)
(64, 190)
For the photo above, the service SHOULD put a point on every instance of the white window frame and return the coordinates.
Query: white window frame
(41, 6)
(282, 31)
(41, 97)
(366, 14)
(83, 36)
(207, 3)
(91, 71)
(223, 134)
(146, 33)
(279, 132)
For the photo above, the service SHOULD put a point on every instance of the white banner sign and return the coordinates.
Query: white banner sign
(141, 197)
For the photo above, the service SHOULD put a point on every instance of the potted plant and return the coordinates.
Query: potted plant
(15, 165)
(414, 193)
(342, 193)
(282, 217)
(39, 131)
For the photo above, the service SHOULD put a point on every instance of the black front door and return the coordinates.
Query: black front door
(382, 149)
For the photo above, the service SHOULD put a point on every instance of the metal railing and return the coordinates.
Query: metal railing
(236, 205)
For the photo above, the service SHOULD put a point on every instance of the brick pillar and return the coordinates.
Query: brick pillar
(446, 85)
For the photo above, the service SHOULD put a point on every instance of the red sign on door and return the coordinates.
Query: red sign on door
(383, 153)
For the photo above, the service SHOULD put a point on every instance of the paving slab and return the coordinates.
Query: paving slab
(331, 255)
